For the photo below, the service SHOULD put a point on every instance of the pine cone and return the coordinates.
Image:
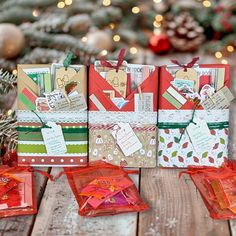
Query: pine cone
(185, 34)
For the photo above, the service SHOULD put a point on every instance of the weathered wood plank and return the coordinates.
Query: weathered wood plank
(177, 201)
(58, 215)
(22, 225)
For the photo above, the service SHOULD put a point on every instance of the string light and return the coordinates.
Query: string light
(133, 50)
(106, 3)
(84, 39)
(61, 4)
(157, 1)
(14, 72)
(156, 24)
(112, 25)
(159, 18)
(104, 52)
(116, 38)
(230, 48)
(68, 2)
(9, 112)
(206, 3)
(135, 10)
(224, 61)
(35, 13)
(218, 55)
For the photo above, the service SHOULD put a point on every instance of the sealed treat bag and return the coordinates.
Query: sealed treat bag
(217, 187)
(104, 189)
(123, 113)
(52, 115)
(193, 116)
(17, 192)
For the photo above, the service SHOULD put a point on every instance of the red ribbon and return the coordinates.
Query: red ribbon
(119, 62)
(189, 65)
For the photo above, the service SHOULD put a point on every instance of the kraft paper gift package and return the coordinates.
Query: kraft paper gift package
(138, 115)
(52, 115)
(123, 114)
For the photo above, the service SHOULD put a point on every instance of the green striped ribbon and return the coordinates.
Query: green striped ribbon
(175, 125)
(64, 130)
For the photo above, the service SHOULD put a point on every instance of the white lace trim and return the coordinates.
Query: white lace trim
(185, 115)
(54, 116)
(108, 117)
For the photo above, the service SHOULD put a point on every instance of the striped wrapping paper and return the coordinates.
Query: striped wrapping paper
(31, 148)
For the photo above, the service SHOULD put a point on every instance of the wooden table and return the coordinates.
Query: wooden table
(176, 206)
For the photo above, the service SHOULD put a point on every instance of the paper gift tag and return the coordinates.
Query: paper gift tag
(200, 136)
(220, 100)
(118, 80)
(126, 138)
(189, 74)
(53, 139)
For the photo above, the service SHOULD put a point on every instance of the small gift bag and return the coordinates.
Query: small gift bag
(193, 114)
(123, 113)
(104, 189)
(52, 115)
(217, 187)
(17, 192)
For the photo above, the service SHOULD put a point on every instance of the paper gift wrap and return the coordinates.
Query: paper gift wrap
(104, 115)
(31, 146)
(175, 113)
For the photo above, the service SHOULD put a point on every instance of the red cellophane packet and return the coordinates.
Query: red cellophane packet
(217, 187)
(104, 189)
(17, 192)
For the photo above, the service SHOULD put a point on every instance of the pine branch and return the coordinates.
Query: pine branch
(7, 81)
(29, 3)
(8, 131)
(42, 56)
(61, 42)
(105, 15)
(17, 15)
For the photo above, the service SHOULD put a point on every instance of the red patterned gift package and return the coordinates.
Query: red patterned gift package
(104, 189)
(17, 191)
(193, 114)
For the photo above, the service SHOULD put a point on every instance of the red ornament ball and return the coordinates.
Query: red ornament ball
(159, 43)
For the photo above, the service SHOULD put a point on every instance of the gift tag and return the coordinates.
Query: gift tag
(189, 74)
(118, 80)
(200, 136)
(220, 100)
(77, 102)
(53, 139)
(126, 138)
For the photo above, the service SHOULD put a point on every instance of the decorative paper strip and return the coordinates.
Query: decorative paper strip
(172, 100)
(98, 117)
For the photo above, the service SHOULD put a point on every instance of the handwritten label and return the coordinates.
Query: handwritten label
(77, 102)
(126, 138)
(200, 136)
(219, 100)
(53, 139)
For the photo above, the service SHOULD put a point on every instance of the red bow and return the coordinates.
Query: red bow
(119, 62)
(189, 65)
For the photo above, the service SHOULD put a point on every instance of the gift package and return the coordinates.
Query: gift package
(193, 114)
(217, 187)
(52, 115)
(104, 189)
(137, 116)
(17, 192)
(123, 113)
